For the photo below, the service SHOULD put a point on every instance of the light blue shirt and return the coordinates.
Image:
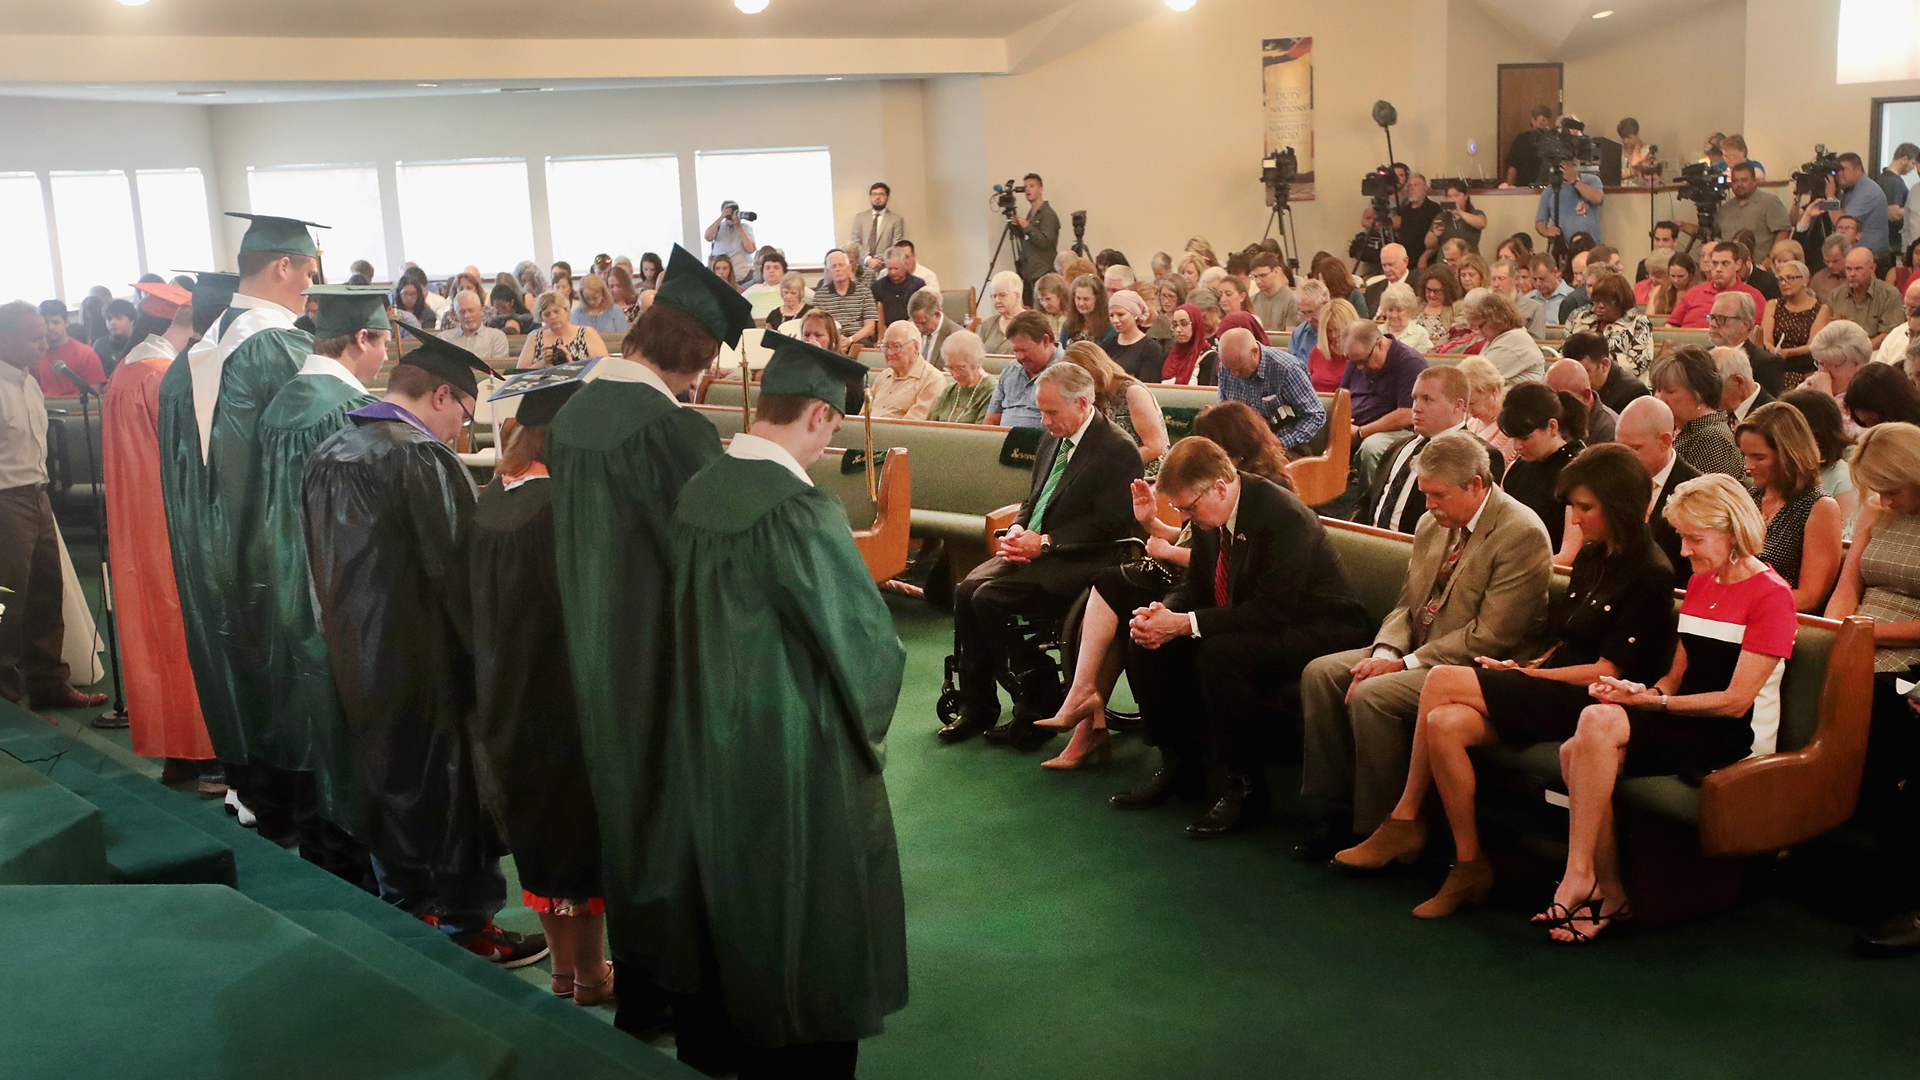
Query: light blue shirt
(1868, 203)
(1016, 397)
(1302, 341)
(1571, 219)
(1551, 304)
(611, 321)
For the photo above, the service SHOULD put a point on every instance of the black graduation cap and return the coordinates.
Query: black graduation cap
(533, 398)
(447, 360)
(807, 370)
(706, 296)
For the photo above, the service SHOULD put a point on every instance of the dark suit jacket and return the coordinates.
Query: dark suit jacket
(1664, 534)
(1282, 570)
(1769, 370)
(1764, 398)
(1416, 503)
(940, 336)
(1092, 508)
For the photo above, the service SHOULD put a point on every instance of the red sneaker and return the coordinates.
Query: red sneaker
(506, 948)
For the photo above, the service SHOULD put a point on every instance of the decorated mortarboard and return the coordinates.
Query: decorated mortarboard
(803, 369)
(212, 289)
(447, 360)
(161, 299)
(346, 309)
(285, 236)
(533, 398)
(705, 295)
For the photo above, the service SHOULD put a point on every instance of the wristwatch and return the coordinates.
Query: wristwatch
(1046, 544)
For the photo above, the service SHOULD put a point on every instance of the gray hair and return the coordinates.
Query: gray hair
(1124, 271)
(1791, 264)
(1398, 297)
(1070, 379)
(964, 343)
(924, 302)
(1363, 335)
(1005, 280)
(1843, 340)
(1741, 302)
(1454, 459)
(1204, 298)
(1731, 360)
(1312, 289)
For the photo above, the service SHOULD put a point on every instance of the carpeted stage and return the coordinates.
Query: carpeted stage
(1049, 936)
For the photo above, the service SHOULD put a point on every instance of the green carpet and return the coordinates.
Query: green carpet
(1050, 936)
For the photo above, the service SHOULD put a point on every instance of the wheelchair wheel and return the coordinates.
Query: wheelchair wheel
(947, 709)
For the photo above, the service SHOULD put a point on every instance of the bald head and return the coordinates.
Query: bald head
(1912, 299)
(1646, 428)
(902, 344)
(23, 335)
(1393, 262)
(1571, 376)
(1240, 351)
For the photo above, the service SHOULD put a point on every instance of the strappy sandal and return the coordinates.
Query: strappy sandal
(594, 993)
(562, 985)
(1593, 911)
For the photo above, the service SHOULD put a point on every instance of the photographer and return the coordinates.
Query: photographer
(730, 235)
(1858, 198)
(1040, 235)
(1414, 218)
(1572, 206)
(1751, 208)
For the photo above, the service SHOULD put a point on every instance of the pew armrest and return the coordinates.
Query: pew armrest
(1322, 478)
(1002, 518)
(1778, 801)
(884, 544)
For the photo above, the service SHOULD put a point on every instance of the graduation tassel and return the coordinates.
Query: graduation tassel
(746, 393)
(866, 411)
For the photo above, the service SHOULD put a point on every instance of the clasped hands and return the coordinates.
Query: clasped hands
(1019, 545)
(1156, 624)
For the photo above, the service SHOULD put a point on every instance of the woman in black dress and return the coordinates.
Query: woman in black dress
(1803, 522)
(1616, 620)
(1546, 426)
(533, 770)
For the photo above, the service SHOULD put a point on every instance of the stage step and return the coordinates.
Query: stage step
(48, 835)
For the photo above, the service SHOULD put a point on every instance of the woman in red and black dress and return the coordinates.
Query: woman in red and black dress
(1719, 703)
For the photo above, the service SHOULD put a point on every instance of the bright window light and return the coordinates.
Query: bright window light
(173, 220)
(1879, 41)
(93, 216)
(791, 190)
(344, 197)
(622, 206)
(26, 260)
(460, 213)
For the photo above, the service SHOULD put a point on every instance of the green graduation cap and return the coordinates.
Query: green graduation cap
(286, 236)
(212, 289)
(706, 296)
(447, 360)
(534, 397)
(347, 309)
(807, 370)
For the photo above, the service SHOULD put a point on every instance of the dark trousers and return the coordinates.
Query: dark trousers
(286, 806)
(1201, 693)
(465, 901)
(33, 628)
(988, 646)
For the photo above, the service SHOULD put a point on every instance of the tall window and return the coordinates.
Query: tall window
(466, 213)
(93, 215)
(26, 260)
(621, 206)
(791, 190)
(173, 220)
(346, 198)
(1879, 41)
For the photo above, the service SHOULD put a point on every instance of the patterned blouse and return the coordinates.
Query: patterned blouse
(1890, 580)
(1706, 443)
(1787, 533)
(1629, 338)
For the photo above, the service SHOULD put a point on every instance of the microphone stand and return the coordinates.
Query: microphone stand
(115, 717)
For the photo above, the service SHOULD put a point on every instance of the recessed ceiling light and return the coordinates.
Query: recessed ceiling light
(524, 89)
(750, 7)
(201, 93)
(1603, 14)
(427, 85)
(1180, 5)
(833, 78)
(133, 3)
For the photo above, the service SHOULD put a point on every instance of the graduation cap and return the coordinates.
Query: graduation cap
(533, 398)
(346, 309)
(447, 360)
(705, 295)
(161, 299)
(285, 236)
(807, 370)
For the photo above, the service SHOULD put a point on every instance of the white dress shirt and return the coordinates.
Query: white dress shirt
(754, 448)
(23, 429)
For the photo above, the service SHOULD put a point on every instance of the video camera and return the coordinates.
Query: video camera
(1568, 142)
(1382, 189)
(1811, 178)
(1702, 186)
(1380, 185)
(1006, 199)
(1278, 171)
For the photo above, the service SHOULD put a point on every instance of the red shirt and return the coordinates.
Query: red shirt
(76, 355)
(1694, 305)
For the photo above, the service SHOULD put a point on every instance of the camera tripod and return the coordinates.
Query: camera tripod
(1008, 231)
(1281, 217)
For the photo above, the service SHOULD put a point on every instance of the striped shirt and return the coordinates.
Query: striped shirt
(850, 310)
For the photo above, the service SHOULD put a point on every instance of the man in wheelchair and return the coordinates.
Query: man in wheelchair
(1078, 509)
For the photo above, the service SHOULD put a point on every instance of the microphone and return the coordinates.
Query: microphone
(85, 388)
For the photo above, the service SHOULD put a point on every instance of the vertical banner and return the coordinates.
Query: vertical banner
(1287, 74)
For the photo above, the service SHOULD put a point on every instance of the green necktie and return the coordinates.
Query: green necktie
(1053, 481)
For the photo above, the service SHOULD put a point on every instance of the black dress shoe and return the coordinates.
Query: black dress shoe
(964, 728)
(1898, 936)
(1001, 734)
(1242, 805)
(1322, 846)
(1167, 782)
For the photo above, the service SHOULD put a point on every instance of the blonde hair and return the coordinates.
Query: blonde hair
(1199, 265)
(1107, 376)
(1718, 503)
(1336, 318)
(1887, 458)
(1482, 378)
(553, 298)
(591, 285)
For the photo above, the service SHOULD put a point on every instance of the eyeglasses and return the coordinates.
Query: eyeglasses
(894, 346)
(1722, 320)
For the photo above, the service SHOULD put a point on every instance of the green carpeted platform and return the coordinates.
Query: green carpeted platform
(48, 835)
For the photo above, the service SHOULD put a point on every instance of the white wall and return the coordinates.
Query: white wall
(1792, 101)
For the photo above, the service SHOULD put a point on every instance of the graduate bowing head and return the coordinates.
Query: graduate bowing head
(352, 326)
(278, 258)
(162, 304)
(693, 313)
(438, 383)
(805, 392)
(212, 292)
(524, 406)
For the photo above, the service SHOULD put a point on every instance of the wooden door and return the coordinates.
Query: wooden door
(1522, 86)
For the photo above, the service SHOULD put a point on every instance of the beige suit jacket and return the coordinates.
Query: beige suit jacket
(1495, 603)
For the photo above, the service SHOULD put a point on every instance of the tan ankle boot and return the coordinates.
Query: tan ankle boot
(1467, 883)
(1394, 841)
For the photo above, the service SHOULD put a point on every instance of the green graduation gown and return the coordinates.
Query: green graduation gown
(786, 680)
(211, 508)
(306, 732)
(619, 452)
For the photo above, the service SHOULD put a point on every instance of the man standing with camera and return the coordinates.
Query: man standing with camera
(1413, 219)
(730, 235)
(1040, 235)
(1571, 205)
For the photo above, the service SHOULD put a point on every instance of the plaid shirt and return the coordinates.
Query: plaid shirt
(1279, 380)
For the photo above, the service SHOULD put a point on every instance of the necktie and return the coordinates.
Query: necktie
(1220, 572)
(1423, 624)
(1387, 518)
(1053, 481)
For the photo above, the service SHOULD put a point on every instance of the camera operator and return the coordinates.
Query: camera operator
(1524, 167)
(730, 235)
(1040, 235)
(1414, 218)
(1573, 206)
(1751, 208)
(1859, 198)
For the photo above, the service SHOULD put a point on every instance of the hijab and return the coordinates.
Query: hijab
(1243, 321)
(1181, 357)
